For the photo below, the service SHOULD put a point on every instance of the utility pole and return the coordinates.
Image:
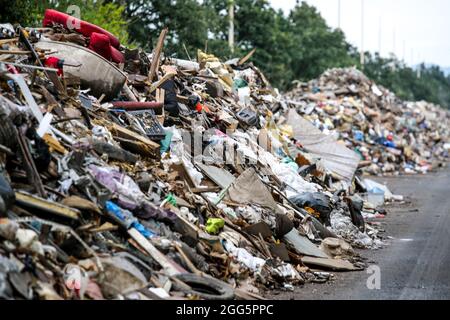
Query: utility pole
(362, 34)
(339, 14)
(394, 48)
(379, 37)
(231, 26)
(404, 51)
(419, 68)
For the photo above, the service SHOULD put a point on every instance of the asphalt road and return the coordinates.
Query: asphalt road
(416, 263)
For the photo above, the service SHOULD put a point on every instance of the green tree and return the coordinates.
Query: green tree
(187, 20)
(299, 46)
(16, 12)
(424, 83)
(318, 47)
(260, 26)
(257, 25)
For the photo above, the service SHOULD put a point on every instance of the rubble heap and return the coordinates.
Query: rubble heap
(390, 135)
(127, 175)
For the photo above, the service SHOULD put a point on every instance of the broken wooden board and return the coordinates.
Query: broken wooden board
(329, 264)
(38, 203)
(136, 147)
(219, 176)
(81, 204)
(183, 203)
(131, 140)
(128, 134)
(280, 251)
(205, 189)
(161, 81)
(30, 167)
(183, 173)
(247, 57)
(302, 245)
(157, 54)
(246, 295)
(104, 228)
(260, 228)
(169, 266)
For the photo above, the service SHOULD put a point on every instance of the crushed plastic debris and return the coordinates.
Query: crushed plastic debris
(179, 176)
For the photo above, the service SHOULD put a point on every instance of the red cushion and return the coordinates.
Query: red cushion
(100, 44)
(117, 56)
(85, 28)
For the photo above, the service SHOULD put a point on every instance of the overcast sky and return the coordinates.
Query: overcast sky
(421, 27)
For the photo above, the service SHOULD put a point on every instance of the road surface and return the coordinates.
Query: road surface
(416, 263)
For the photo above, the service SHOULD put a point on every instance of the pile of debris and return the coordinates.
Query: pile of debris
(391, 136)
(126, 175)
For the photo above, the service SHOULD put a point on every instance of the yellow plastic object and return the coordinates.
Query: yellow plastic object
(54, 144)
(287, 130)
(312, 212)
(214, 225)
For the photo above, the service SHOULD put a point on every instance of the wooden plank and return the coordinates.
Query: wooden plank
(302, 245)
(104, 227)
(219, 176)
(329, 264)
(246, 295)
(157, 55)
(5, 41)
(30, 166)
(136, 147)
(205, 189)
(161, 81)
(168, 266)
(247, 57)
(18, 52)
(130, 95)
(128, 134)
(38, 203)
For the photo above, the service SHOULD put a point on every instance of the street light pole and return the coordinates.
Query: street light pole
(231, 26)
(362, 34)
(379, 38)
(395, 47)
(339, 14)
(404, 50)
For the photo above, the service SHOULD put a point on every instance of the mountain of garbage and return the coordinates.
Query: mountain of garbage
(130, 175)
(390, 135)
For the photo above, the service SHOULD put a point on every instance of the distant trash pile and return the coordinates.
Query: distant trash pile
(129, 175)
(390, 136)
